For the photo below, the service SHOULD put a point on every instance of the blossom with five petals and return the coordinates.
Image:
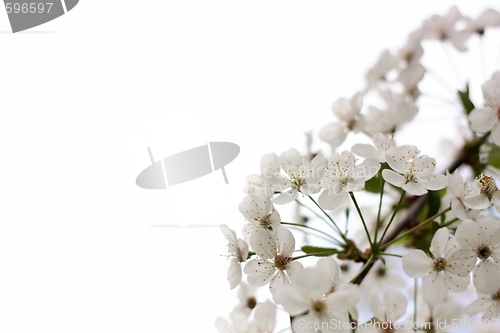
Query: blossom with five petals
(413, 173)
(440, 271)
(274, 265)
(344, 175)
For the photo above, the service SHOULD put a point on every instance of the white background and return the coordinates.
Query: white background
(77, 250)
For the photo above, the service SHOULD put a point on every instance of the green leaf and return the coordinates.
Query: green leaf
(373, 185)
(433, 202)
(465, 99)
(494, 156)
(319, 251)
(434, 227)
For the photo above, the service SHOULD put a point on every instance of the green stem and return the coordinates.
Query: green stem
(315, 254)
(390, 254)
(331, 220)
(315, 213)
(362, 220)
(449, 222)
(382, 181)
(311, 228)
(365, 266)
(420, 225)
(390, 221)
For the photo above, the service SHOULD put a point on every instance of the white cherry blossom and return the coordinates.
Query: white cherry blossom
(445, 28)
(392, 308)
(457, 191)
(440, 271)
(489, 18)
(381, 145)
(313, 292)
(344, 175)
(348, 111)
(480, 252)
(264, 318)
(274, 265)
(411, 172)
(238, 323)
(259, 211)
(247, 296)
(488, 305)
(485, 119)
(398, 111)
(385, 63)
(484, 193)
(303, 176)
(237, 253)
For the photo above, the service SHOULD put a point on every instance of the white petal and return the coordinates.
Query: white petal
(395, 304)
(265, 316)
(396, 158)
(414, 188)
(416, 263)
(260, 279)
(330, 201)
(263, 243)
(291, 161)
(495, 134)
(292, 299)
(486, 278)
(468, 235)
(286, 196)
(364, 150)
(482, 120)
(223, 325)
(479, 201)
(439, 242)
(277, 282)
(434, 289)
(346, 296)
(229, 234)
(371, 167)
(462, 261)
(434, 182)
(458, 209)
(456, 283)
(285, 241)
(334, 134)
(234, 274)
(482, 304)
(393, 178)
(293, 270)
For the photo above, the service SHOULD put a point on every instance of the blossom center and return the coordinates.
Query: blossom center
(440, 264)
(251, 302)
(483, 252)
(239, 256)
(281, 262)
(488, 185)
(265, 222)
(297, 182)
(410, 174)
(318, 305)
(345, 180)
(496, 297)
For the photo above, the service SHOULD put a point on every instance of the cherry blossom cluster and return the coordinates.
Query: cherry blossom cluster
(387, 226)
